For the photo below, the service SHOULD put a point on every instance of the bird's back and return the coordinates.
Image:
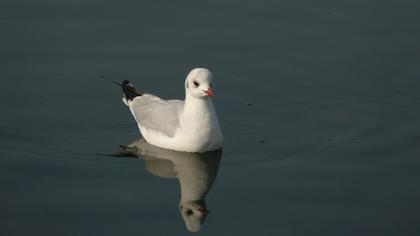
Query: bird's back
(155, 114)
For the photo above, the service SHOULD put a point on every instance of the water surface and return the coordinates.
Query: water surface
(318, 103)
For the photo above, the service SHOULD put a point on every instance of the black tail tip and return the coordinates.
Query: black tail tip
(127, 84)
(130, 91)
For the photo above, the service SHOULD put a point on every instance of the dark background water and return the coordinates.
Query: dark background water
(318, 103)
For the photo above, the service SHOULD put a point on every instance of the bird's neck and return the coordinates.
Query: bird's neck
(199, 124)
(198, 106)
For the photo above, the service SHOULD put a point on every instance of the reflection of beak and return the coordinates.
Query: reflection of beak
(204, 211)
(209, 92)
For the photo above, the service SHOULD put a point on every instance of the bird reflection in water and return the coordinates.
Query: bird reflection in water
(196, 173)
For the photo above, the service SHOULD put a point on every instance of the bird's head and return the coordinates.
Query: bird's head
(199, 83)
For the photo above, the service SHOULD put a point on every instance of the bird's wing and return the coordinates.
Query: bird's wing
(156, 114)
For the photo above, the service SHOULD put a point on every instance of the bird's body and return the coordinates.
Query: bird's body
(189, 126)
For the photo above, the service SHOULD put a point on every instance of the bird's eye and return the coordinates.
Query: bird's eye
(196, 84)
(189, 212)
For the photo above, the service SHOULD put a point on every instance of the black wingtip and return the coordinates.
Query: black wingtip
(130, 91)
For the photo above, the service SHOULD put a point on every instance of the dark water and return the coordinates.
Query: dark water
(318, 102)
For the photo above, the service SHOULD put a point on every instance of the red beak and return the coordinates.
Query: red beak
(209, 92)
(203, 210)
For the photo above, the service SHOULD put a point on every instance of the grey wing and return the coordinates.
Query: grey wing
(156, 114)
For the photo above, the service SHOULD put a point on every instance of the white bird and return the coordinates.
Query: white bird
(188, 126)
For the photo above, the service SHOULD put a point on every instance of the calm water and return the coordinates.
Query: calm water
(318, 102)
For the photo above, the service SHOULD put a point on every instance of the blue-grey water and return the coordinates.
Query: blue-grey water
(318, 102)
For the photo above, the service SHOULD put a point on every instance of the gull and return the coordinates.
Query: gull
(188, 126)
